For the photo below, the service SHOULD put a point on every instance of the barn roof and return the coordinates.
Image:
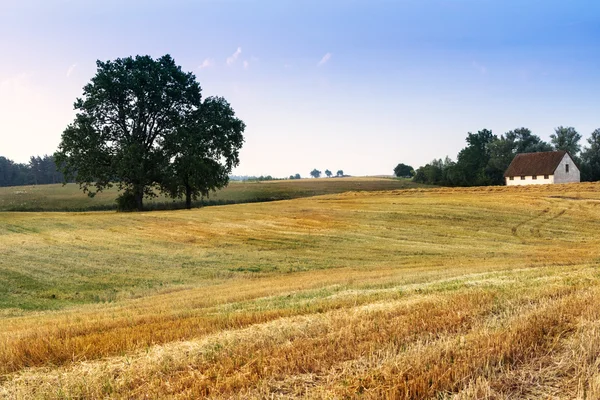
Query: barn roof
(528, 164)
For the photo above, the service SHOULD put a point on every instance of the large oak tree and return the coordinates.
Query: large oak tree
(133, 117)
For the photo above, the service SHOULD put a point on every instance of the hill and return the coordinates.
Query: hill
(71, 198)
(422, 293)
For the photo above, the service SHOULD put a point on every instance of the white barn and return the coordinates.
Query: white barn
(542, 169)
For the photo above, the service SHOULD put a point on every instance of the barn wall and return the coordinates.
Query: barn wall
(561, 176)
(530, 181)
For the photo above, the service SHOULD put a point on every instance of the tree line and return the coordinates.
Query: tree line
(485, 158)
(39, 171)
(315, 173)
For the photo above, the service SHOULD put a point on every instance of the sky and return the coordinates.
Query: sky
(357, 85)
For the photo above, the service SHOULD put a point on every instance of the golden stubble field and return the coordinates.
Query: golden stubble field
(422, 293)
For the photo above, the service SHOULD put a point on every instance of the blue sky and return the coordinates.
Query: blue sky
(352, 85)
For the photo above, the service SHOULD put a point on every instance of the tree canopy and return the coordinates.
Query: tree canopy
(13, 174)
(315, 173)
(567, 139)
(203, 151)
(403, 171)
(141, 124)
(590, 158)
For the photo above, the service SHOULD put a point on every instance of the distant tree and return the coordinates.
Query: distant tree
(13, 174)
(35, 169)
(404, 171)
(6, 171)
(590, 158)
(297, 176)
(567, 139)
(472, 161)
(437, 172)
(315, 173)
(502, 152)
(52, 171)
(328, 173)
(43, 170)
(340, 173)
(451, 176)
(203, 151)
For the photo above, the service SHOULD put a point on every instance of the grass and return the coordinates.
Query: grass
(70, 198)
(422, 293)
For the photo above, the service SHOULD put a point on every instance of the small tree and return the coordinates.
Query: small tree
(203, 151)
(472, 161)
(340, 173)
(297, 176)
(328, 173)
(404, 171)
(315, 173)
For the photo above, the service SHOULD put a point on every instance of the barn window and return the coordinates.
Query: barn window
(512, 178)
(546, 176)
(567, 168)
(522, 178)
(534, 177)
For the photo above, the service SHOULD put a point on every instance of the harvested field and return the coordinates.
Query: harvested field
(423, 293)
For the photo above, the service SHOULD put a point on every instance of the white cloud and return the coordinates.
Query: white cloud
(232, 59)
(246, 64)
(71, 69)
(209, 62)
(325, 59)
(481, 68)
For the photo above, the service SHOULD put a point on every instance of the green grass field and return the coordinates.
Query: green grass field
(478, 293)
(71, 198)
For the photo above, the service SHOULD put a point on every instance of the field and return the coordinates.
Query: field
(420, 293)
(70, 198)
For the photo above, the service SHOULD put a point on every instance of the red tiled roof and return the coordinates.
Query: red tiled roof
(529, 164)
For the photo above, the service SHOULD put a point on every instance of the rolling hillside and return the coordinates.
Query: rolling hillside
(420, 293)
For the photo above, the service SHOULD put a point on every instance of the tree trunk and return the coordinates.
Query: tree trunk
(188, 197)
(138, 192)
